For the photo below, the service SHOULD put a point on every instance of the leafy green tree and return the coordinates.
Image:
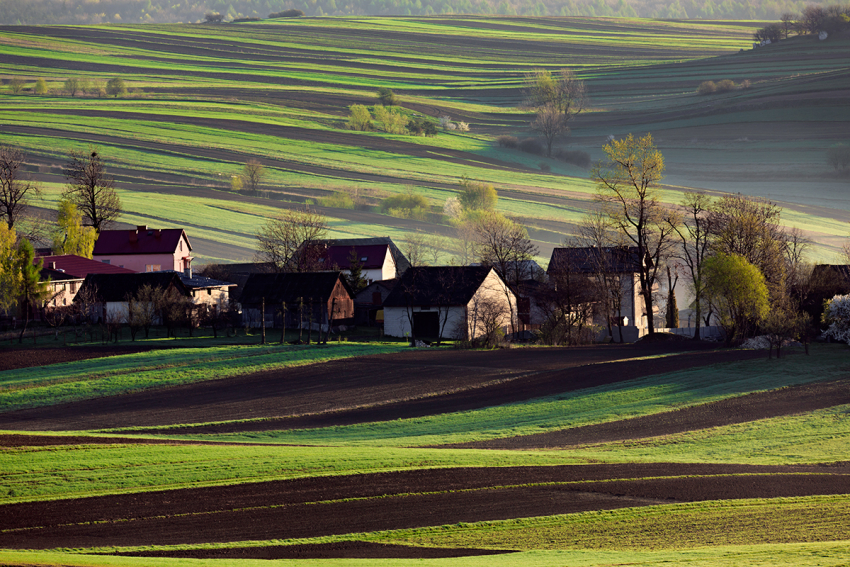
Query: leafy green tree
(71, 86)
(116, 87)
(477, 196)
(9, 274)
(738, 290)
(16, 85)
(627, 188)
(31, 291)
(360, 118)
(391, 119)
(72, 237)
(40, 87)
(386, 97)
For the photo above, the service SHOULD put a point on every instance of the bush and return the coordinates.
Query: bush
(417, 126)
(40, 87)
(707, 87)
(116, 87)
(337, 201)
(726, 85)
(16, 85)
(287, 14)
(407, 200)
(386, 97)
(507, 141)
(391, 119)
(462, 127)
(477, 196)
(240, 20)
(359, 119)
(213, 18)
(574, 157)
(531, 146)
(837, 315)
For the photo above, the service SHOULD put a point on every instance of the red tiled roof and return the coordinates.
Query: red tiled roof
(79, 267)
(140, 240)
(339, 256)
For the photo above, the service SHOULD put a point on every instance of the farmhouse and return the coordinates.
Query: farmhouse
(617, 265)
(379, 258)
(66, 274)
(308, 297)
(450, 301)
(107, 295)
(144, 250)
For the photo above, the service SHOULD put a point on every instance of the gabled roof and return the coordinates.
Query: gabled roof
(401, 261)
(117, 287)
(616, 260)
(77, 267)
(139, 240)
(443, 285)
(289, 287)
(365, 294)
(371, 256)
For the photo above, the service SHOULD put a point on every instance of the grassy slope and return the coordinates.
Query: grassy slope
(216, 96)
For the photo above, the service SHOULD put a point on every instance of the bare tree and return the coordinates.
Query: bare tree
(694, 237)
(142, 309)
(91, 189)
(564, 91)
(15, 189)
(627, 189)
(292, 242)
(415, 249)
(253, 173)
(550, 122)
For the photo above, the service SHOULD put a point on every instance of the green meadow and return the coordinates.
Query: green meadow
(204, 99)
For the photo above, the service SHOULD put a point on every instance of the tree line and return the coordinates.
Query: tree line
(33, 12)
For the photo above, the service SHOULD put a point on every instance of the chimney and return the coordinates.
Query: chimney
(141, 227)
(188, 271)
(134, 236)
(52, 265)
(157, 233)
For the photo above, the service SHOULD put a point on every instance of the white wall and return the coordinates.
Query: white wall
(397, 320)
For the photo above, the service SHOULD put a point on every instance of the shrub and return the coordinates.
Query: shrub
(745, 84)
(40, 87)
(423, 126)
(287, 14)
(707, 87)
(213, 17)
(507, 141)
(116, 87)
(477, 196)
(16, 85)
(837, 315)
(407, 200)
(391, 119)
(446, 122)
(359, 119)
(386, 97)
(726, 85)
(531, 146)
(574, 157)
(463, 127)
(337, 201)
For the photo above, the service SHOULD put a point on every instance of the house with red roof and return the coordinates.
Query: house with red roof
(379, 258)
(66, 274)
(144, 249)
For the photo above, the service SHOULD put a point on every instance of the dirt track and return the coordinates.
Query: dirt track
(376, 388)
(310, 507)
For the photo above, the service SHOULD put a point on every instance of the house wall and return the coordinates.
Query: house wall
(63, 293)
(492, 295)
(397, 320)
(218, 297)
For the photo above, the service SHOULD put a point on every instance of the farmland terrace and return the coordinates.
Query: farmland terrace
(657, 451)
(204, 99)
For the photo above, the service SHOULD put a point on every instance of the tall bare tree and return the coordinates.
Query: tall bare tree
(557, 98)
(694, 234)
(15, 189)
(253, 174)
(91, 189)
(292, 242)
(551, 124)
(627, 188)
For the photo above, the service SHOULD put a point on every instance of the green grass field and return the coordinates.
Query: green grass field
(209, 98)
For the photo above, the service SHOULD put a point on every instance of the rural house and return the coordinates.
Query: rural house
(380, 258)
(315, 297)
(369, 302)
(617, 265)
(66, 274)
(142, 249)
(449, 302)
(108, 295)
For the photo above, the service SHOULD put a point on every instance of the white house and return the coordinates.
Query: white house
(449, 302)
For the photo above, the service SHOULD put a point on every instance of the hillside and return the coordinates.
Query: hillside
(204, 99)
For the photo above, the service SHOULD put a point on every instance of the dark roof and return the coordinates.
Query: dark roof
(139, 240)
(371, 256)
(117, 287)
(244, 268)
(289, 287)
(196, 281)
(401, 261)
(617, 260)
(77, 267)
(365, 294)
(444, 285)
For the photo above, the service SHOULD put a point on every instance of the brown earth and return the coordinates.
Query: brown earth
(23, 357)
(751, 407)
(376, 388)
(313, 507)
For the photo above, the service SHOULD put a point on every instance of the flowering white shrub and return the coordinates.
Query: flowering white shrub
(837, 315)
(445, 121)
(463, 126)
(452, 208)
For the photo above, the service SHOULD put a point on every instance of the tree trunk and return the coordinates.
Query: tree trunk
(263, 320)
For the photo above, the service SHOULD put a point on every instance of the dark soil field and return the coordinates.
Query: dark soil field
(17, 357)
(311, 507)
(367, 389)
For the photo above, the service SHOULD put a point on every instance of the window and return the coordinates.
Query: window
(209, 292)
(364, 258)
(105, 261)
(73, 287)
(153, 267)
